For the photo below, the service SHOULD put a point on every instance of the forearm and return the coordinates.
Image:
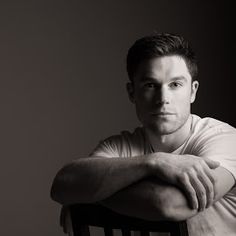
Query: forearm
(151, 200)
(88, 180)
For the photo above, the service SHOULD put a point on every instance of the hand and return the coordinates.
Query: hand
(192, 174)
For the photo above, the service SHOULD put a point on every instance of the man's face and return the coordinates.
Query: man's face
(162, 92)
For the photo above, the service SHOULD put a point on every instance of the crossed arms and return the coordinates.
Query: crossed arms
(156, 186)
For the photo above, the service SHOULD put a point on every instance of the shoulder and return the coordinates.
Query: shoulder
(210, 135)
(124, 144)
(126, 137)
(209, 127)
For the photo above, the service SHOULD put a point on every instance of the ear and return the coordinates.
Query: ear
(195, 85)
(130, 90)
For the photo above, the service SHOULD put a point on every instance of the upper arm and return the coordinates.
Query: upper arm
(218, 144)
(224, 181)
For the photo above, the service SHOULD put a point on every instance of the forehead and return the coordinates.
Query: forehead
(162, 69)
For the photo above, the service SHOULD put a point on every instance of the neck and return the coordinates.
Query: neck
(169, 142)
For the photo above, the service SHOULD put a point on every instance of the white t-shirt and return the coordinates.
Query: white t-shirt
(209, 138)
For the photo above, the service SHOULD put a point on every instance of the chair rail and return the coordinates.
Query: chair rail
(83, 215)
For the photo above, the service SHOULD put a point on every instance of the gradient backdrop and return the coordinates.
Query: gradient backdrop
(62, 87)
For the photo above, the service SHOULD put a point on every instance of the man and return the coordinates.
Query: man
(176, 166)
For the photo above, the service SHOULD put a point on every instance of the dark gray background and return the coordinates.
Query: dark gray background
(63, 87)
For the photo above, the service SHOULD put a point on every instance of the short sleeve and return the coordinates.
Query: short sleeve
(107, 148)
(126, 144)
(219, 145)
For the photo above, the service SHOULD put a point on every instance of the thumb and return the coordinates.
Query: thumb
(212, 164)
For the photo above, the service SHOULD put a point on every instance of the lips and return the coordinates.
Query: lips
(162, 113)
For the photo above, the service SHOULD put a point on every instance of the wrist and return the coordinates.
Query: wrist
(154, 162)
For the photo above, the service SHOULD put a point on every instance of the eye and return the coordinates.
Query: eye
(175, 85)
(149, 85)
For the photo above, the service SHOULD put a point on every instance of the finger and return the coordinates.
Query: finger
(211, 177)
(200, 191)
(186, 186)
(209, 187)
(211, 164)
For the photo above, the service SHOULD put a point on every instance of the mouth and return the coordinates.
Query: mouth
(162, 114)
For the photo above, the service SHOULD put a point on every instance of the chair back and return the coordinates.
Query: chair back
(85, 215)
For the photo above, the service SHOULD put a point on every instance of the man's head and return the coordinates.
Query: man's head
(161, 69)
(158, 45)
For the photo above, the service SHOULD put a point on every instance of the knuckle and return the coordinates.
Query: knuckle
(197, 166)
(201, 194)
(193, 174)
(209, 188)
(202, 162)
(192, 194)
(190, 171)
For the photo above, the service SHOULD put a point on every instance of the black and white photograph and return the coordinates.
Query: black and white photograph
(118, 118)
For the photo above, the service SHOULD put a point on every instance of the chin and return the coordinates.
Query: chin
(161, 129)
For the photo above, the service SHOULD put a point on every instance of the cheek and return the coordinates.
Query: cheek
(182, 103)
(144, 97)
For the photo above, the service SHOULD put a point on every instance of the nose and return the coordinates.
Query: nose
(162, 95)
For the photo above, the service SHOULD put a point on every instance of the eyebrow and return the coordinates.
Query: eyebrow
(147, 78)
(178, 78)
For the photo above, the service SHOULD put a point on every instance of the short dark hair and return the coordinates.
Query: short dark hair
(157, 45)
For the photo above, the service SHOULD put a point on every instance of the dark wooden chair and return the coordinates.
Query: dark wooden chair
(76, 220)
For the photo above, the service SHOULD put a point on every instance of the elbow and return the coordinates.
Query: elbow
(172, 208)
(170, 214)
(56, 192)
(62, 193)
(67, 189)
(178, 214)
(164, 209)
(167, 212)
(55, 197)
(74, 184)
(60, 189)
(161, 206)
